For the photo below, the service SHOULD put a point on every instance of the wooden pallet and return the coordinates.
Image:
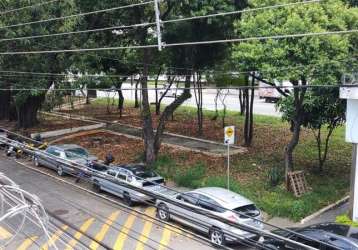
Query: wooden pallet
(297, 183)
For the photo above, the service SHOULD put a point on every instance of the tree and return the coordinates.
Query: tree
(27, 103)
(308, 60)
(323, 112)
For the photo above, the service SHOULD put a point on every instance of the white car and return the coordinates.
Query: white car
(218, 201)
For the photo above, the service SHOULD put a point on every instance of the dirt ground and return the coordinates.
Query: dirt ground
(184, 124)
(46, 123)
(128, 150)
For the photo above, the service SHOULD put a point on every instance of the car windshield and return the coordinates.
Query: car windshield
(144, 173)
(76, 153)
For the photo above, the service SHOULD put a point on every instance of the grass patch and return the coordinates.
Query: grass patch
(344, 219)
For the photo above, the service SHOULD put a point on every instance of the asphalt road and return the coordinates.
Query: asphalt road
(83, 214)
(79, 219)
(231, 100)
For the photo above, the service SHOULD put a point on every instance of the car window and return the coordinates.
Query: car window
(209, 204)
(190, 198)
(53, 151)
(112, 173)
(121, 176)
(77, 153)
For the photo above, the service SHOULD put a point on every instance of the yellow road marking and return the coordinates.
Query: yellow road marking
(122, 236)
(146, 229)
(4, 234)
(78, 235)
(164, 242)
(54, 237)
(100, 235)
(27, 243)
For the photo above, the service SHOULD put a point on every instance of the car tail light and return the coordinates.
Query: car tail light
(232, 218)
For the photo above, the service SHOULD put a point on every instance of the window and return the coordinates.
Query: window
(53, 151)
(209, 204)
(111, 173)
(190, 198)
(121, 176)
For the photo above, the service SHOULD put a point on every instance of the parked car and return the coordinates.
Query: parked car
(136, 175)
(219, 201)
(69, 152)
(327, 236)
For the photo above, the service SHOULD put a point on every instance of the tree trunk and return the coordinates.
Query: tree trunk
(120, 102)
(296, 123)
(168, 111)
(247, 118)
(198, 92)
(242, 102)
(5, 103)
(136, 101)
(157, 103)
(148, 133)
(27, 111)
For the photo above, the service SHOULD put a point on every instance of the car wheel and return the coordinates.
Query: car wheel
(163, 212)
(127, 199)
(36, 161)
(96, 187)
(60, 171)
(217, 237)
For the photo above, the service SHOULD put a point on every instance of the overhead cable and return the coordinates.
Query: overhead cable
(260, 38)
(27, 7)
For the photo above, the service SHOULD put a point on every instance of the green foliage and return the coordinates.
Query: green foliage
(165, 166)
(274, 176)
(345, 220)
(192, 177)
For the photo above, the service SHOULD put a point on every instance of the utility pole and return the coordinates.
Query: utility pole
(158, 23)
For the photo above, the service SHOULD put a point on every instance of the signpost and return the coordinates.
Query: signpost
(351, 94)
(229, 140)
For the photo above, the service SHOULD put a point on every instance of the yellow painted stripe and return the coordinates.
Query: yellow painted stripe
(54, 237)
(164, 242)
(27, 243)
(146, 229)
(78, 235)
(122, 236)
(4, 234)
(102, 233)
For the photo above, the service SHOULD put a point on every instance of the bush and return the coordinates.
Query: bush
(192, 177)
(274, 176)
(344, 219)
(165, 166)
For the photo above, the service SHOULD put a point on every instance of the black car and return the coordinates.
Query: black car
(325, 236)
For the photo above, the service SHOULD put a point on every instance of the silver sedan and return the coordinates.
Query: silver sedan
(217, 201)
(53, 155)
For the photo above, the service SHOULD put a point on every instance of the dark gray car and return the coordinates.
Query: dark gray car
(53, 155)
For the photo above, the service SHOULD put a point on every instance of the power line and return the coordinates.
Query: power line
(239, 11)
(77, 15)
(27, 7)
(340, 32)
(278, 37)
(163, 22)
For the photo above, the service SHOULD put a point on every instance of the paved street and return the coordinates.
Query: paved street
(232, 100)
(88, 218)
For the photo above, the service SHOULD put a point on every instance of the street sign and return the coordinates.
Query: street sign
(229, 135)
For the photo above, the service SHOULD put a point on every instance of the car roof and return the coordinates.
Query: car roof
(67, 146)
(224, 197)
(131, 167)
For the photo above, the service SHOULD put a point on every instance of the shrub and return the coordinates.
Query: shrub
(165, 166)
(344, 219)
(274, 176)
(192, 177)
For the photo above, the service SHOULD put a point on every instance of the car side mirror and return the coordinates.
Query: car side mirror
(179, 197)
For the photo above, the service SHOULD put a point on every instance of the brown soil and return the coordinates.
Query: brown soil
(46, 123)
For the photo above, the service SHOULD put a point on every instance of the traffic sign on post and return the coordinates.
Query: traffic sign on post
(229, 135)
(229, 140)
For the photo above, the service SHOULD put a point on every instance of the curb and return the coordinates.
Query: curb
(325, 209)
